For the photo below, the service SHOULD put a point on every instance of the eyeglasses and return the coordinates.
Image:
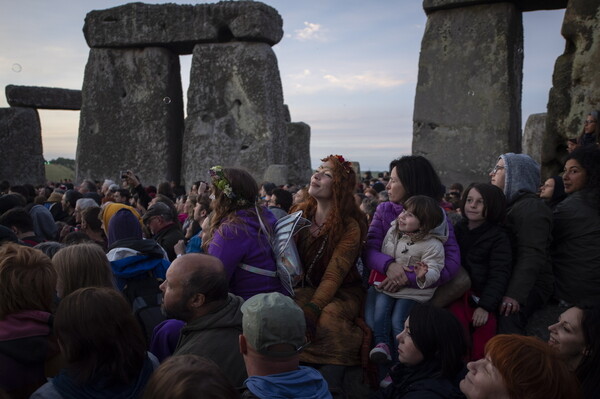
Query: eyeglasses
(588, 122)
(496, 169)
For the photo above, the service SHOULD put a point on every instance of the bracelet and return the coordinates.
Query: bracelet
(178, 255)
(314, 307)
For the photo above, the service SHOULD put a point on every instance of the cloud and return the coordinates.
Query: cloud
(307, 82)
(311, 31)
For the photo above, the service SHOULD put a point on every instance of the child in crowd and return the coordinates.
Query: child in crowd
(486, 255)
(415, 239)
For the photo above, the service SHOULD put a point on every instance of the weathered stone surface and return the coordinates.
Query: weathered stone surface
(235, 110)
(180, 27)
(21, 154)
(277, 174)
(468, 98)
(534, 136)
(43, 97)
(298, 154)
(523, 5)
(131, 116)
(575, 82)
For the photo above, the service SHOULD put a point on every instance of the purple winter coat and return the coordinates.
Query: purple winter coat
(374, 259)
(237, 243)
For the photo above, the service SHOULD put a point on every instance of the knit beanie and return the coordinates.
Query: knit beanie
(124, 224)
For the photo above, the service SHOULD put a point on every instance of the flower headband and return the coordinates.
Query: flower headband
(347, 166)
(220, 181)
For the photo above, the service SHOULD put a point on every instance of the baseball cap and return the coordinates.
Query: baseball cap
(273, 318)
(158, 209)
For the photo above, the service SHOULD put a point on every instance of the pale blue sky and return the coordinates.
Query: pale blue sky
(348, 68)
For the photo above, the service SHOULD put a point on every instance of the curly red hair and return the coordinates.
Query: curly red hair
(344, 205)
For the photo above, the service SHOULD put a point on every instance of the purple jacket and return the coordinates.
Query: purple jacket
(237, 243)
(374, 259)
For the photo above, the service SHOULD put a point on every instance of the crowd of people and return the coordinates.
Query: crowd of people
(125, 290)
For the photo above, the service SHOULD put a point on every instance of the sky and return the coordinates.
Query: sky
(348, 68)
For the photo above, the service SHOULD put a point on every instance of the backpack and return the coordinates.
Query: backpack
(143, 293)
(289, 266)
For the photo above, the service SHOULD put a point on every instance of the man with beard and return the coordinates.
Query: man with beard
(196, 291)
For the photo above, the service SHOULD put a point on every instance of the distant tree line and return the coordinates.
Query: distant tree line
(69, 163)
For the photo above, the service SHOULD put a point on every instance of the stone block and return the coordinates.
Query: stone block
(277, 174)
(534, 136)
(43, 97)
(21, 153)
(235, 110)
(523, 5)
(180, 27)
(298, 155)
(468, 97)
(575, 82)
(131, 115)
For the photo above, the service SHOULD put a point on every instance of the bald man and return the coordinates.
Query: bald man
(196, 291)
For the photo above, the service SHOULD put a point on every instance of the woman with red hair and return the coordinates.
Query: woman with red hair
(519, 367)
(331, 294)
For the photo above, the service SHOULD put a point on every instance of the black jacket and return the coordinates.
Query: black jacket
(423, 381)
(486, 254)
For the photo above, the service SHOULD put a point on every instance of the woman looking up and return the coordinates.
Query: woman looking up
(235, 235)
(576, 338)
(331, 293)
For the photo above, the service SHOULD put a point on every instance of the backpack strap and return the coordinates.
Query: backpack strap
(253, 269)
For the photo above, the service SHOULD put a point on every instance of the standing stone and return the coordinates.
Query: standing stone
(298, 155)
(277, 174)
(235, 110)
(576, 81)
(21, 153)
(468, 97)
(534, 136)
(131, 116)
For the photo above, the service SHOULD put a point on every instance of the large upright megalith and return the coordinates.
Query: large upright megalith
(21, 156)
(235, 110)
(575, 82)
(235, 102)
(131, 115)
(468, 98)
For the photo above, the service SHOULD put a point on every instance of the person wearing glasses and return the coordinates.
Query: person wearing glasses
(591, 130)
(529, 222)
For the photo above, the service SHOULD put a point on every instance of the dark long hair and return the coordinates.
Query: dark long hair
(99, 336)
(588, 370)
(418, 177)
(494, 201)
(589, 159)
(439, 336)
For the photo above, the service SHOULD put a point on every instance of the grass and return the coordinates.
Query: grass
(58, 172)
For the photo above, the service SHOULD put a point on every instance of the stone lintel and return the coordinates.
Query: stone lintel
(523, 5)
(43, 97)
(180, 27)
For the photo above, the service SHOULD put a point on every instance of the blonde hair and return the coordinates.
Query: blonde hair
(82, 265)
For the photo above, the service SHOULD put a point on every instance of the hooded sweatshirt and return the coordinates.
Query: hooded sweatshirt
(304, 383)
(529, 222)
(215, 336)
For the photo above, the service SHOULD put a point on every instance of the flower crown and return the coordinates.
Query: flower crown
(220, 181)
(347, 165)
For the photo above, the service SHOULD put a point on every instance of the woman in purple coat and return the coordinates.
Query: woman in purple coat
(235, 234)
(410, 175)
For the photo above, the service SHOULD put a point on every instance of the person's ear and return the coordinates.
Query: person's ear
(203, 213)
(196, 301)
